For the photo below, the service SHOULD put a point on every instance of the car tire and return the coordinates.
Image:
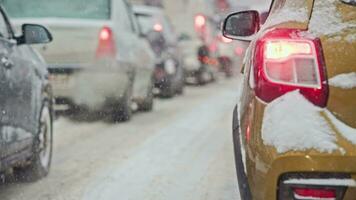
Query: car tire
(180, 89)
(41, 159)
(123, 112)
(168, 92)
(245, 192)
(147, 104)
(202, 76)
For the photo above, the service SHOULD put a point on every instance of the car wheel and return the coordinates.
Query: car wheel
(180, 90)
(245, 191)
(43, 147)
(203, 76)
(123, 112)
(168, 91)
(147, 104)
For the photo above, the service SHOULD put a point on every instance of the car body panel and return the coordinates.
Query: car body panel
(24, 86)
(339, 51)
(264, 165)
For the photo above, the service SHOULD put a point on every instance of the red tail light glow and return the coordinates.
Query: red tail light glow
(309, 193)
(199, 21)
(285, 62)
(106, 46)
(283, 49)
(158, 27)
(239, 51)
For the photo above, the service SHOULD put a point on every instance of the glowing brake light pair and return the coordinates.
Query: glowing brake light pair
(285, 62)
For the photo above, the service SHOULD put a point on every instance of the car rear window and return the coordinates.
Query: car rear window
(81, 9)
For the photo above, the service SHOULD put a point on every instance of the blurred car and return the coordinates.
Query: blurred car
(25, 102)
(294, 128)
(227, 55)
(197, 64)
(200, 56)
(97, 61)
(156, 27)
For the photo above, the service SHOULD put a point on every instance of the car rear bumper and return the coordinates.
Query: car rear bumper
(89, 86)
(317, 167)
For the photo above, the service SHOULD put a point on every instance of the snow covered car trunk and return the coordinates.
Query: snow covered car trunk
(337, 32)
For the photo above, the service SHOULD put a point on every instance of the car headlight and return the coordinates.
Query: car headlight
(170, 66)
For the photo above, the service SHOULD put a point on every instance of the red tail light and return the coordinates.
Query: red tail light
(239, 51)
(106, 47)
(158, 27)
(199, 21)
(285, 62)
(309, 193)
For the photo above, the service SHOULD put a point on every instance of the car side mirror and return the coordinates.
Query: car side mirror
(35, 34)
(241, 25)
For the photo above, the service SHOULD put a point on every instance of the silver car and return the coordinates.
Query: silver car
(97, 59)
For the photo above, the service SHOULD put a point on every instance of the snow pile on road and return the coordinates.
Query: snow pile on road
(346, 131)
(292, 123)
(326, 19)
(291, 11)
(344, 81)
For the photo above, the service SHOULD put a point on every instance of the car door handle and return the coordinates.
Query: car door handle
(8, 64)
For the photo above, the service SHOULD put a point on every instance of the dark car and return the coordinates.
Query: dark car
(156, 27)
(25, 102)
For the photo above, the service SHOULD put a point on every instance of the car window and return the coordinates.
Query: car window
(133, 20)
(4, 31)
(146, 22)
(89, 9)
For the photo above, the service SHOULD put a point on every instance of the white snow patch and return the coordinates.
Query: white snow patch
(346, 131)
(291, 11)
(326, 19)
(292, 123)
(344, 81)
(322, 182)
(351, 38)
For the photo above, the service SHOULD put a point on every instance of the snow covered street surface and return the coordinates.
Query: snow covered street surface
(181, 151)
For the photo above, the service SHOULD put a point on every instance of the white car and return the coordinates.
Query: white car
(97, 59)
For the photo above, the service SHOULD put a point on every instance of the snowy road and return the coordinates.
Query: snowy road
(180, 151)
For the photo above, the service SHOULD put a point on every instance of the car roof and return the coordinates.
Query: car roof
(149, 10)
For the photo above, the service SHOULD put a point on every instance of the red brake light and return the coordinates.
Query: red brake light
(200, 21)
(285, 62)
(239, 51)
(106, 47)
(309, 193)
(158, 27)
(105, 34)
(280, 49)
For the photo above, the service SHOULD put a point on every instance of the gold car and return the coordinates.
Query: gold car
(294, 127)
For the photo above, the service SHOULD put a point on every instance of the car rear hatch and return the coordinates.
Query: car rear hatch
(74, 24)
(334, 22)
